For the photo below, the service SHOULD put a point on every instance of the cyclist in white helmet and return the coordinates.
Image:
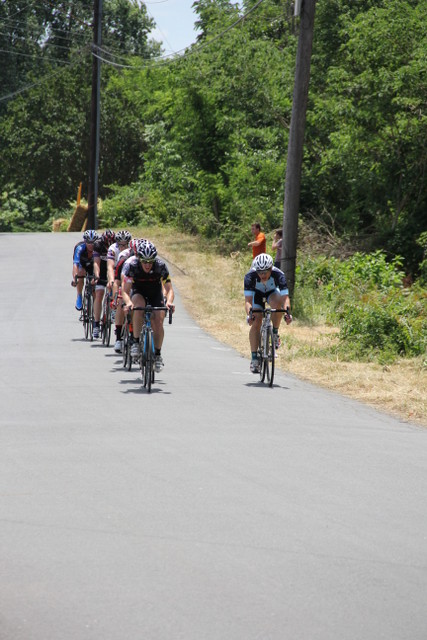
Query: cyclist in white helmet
(146, 280)
(83, 262)
(123, 239)
(265, 283)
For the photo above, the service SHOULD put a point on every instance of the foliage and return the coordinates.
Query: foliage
(24, 212)
(364, 295)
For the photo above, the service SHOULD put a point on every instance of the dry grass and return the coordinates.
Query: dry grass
(210, 286)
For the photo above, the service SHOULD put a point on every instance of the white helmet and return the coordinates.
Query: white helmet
(147, 251)
(263, 262)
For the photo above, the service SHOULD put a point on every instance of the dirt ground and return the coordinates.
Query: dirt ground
(211, 288)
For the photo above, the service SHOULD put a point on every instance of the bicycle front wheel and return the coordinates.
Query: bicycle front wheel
(261, 356)
(149, 361)
(270, 354)
(126, 347)
(90, 317)
(87, 315)
(106, 322)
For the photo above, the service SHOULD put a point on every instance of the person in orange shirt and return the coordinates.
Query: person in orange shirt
(259, 243)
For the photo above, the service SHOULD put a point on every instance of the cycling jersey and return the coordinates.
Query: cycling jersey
(82, 258)
(260, 291)
(123, 256)
(148, 284)
(114, 252)
(100, 250)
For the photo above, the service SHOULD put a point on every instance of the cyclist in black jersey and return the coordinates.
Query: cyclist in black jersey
(100, 251)
(146, 280)
(83, 262)
(265, 283)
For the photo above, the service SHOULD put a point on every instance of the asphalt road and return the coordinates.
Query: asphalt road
(214, 508)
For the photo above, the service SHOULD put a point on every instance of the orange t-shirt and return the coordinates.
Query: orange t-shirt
(260, 248)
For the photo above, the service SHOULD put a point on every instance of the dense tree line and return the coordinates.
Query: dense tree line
(200, 140)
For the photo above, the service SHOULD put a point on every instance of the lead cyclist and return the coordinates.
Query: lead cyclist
(265, 283)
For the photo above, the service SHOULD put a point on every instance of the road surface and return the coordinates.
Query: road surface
(214, 508)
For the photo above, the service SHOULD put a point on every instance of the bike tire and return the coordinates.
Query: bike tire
(149, 363)
(107, 325)
(126, 346)
(90, 317)
(143, 359)
(86, 316)
(271, 356)
(262, 360)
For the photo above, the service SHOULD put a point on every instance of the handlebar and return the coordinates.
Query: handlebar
(286, 312)
(150, 309)
(265, 311)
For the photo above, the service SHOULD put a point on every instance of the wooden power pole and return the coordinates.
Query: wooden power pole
(92, 199)
(306, 9)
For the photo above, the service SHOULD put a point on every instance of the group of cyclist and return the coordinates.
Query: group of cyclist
(134, 276)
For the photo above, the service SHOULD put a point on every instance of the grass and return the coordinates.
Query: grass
(211, 288)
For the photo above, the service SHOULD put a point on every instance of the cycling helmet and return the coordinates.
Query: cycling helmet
(108, 236)
(90, 235)
(147, 251)
(133, 245)
(263, 262)
(123, 236)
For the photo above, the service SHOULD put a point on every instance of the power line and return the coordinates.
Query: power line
(34, 56)
(162, 60)
(13, 94)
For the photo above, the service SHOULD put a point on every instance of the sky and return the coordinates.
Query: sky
(175, 23)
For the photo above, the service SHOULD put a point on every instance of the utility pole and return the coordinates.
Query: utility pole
(296, 140)
(92, 200)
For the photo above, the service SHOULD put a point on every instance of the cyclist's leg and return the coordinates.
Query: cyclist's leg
(80, 281)
(138, 301)
(120, 316)
(97, 304)
(79, 287)
(257, 303)
(157, 320)
(275, 300)
(254, 338)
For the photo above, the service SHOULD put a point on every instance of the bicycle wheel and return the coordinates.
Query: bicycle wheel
(261, 356)
(106, 322)
(143, 358)
(86, 314)
(271, 355)
(149, 361)
(90, 317)
(125, 342)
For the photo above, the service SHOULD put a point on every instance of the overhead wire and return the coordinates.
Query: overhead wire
(162, 60)
(43, 79)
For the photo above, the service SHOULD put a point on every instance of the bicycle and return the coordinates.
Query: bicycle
(87, 307)
(106, 319)
(146, 358)
(127, 341)
(267, 345)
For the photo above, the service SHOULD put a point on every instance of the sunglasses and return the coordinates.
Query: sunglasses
(264, 272)
(146, 261)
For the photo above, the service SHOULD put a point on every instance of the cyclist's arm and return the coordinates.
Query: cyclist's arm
(248, 304)
(170, 294)
(97, 267)
(126, 289)
(110, 271)
(286, 302)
